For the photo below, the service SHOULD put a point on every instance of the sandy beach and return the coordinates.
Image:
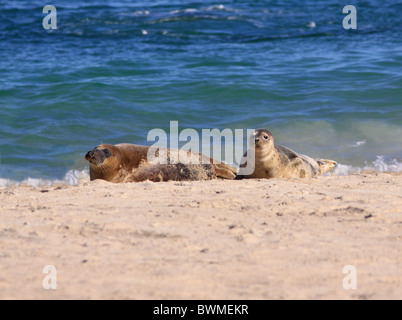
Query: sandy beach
(253, 239)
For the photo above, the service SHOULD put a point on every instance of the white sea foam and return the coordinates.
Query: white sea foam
(215, 7)
(379, 165)
(392, 166)
(312, 24)
(72, 177)
(343, 170)
(218, 7)
(359, 143)
(136, 13)
(184, 10)
(4, 183)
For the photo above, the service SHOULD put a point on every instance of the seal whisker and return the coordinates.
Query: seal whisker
(103, 169)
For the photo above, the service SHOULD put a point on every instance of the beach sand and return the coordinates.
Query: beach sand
(251, 239)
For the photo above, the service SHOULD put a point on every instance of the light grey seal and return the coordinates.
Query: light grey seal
(274, 161)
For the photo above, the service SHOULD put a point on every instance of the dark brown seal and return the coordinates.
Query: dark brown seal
(130, 163)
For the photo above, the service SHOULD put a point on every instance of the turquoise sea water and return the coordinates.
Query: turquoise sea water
(113, 71)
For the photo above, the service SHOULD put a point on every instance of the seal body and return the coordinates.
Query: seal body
(132, 163)
(274, 161)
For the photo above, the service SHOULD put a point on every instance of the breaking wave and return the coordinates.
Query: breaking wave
(379, 165)
(72, 177)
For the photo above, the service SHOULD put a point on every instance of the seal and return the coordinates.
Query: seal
(274, 161)
(130, 163)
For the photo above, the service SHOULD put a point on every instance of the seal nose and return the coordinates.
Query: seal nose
(89, 155)
(257, 140)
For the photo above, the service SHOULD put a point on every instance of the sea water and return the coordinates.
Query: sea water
(114, 70)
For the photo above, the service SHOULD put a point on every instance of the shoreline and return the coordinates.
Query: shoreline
(249, 239)
(74, 177)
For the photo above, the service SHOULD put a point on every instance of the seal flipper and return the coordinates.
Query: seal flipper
(225, 171)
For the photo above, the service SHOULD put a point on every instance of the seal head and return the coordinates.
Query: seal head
(263, 140)
(106, 162)
(97, 156)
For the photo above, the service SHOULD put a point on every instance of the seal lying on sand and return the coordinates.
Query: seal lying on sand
(130, 163)
(273, 161)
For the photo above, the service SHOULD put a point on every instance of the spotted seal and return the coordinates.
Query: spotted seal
(274, 161)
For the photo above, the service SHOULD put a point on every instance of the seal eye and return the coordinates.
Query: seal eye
(107, 153)
(265, 137)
